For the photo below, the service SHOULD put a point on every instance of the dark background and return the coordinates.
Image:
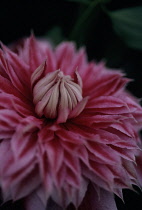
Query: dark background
(19, 18)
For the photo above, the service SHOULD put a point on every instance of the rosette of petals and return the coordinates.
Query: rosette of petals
(64, 123)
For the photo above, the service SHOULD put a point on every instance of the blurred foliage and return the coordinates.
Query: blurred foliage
(55, 34)
(128, 25)
(127, 22)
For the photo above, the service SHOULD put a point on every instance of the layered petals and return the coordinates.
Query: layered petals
(69, 131)
(102, 201)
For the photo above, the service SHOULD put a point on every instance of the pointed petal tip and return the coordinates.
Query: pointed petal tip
(79, 107)
(105, 200)
(33, 202)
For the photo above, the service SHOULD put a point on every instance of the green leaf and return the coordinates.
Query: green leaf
(127, 23)
(55, 34)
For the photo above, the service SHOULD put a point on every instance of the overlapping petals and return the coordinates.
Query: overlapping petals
(95, 140)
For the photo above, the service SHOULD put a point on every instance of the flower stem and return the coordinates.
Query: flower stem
(80, 24)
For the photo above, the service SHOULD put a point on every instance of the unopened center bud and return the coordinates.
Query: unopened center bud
(56, 94)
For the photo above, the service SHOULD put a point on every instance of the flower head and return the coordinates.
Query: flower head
(64, 123)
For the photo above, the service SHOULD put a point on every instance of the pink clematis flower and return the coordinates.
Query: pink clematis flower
(68, 128)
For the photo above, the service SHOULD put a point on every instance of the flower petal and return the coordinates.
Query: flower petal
(92, 201)
(33, 202)
(78, 108)
(64, 54)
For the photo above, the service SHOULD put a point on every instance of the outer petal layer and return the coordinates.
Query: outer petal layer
(81, 127)
(102, 201)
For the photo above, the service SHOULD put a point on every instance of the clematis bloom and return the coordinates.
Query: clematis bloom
(66, 125)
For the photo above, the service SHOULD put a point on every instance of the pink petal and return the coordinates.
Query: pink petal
(15, 76)
(6, 160)
(7, 87)
(34, 53)
(25, 186)
(104, 152)
(64, 54)
(69, 136)
(79, 63)
(109, 85)
(45, 173)
(17, 63)
(25, 137)
(126, 129)
(104, 201)
(102, 171)
(9, 120)
(9, 101)
(79, 108)
(3, 66)
(37, 73)
(33, 202)
(125, 153)
(55, 155)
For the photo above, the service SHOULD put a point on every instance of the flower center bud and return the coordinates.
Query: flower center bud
(56, 94)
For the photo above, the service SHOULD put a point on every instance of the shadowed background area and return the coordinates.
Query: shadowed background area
(18, 19)
(99, 33)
